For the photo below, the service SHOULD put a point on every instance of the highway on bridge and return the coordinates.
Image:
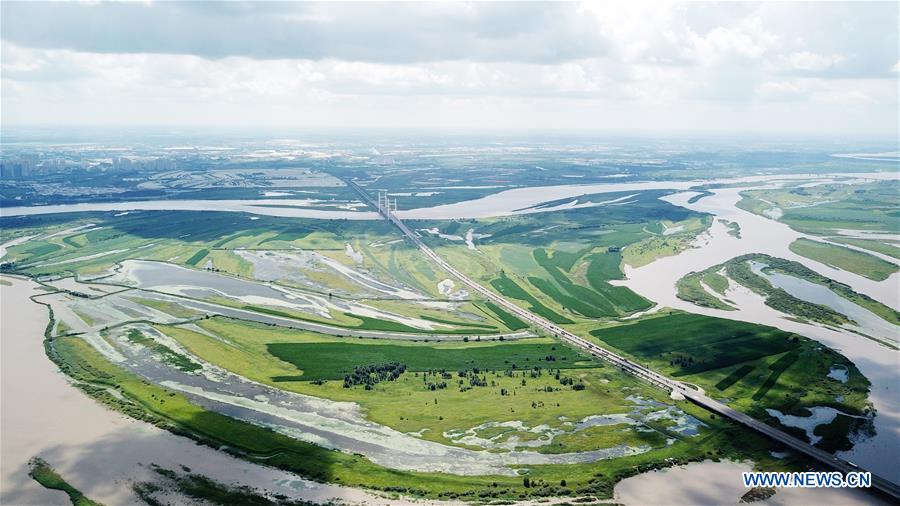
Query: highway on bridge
(678, 388)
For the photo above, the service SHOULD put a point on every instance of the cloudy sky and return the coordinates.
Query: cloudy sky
(805, 68)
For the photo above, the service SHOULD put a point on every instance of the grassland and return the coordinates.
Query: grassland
(506, 286)
(885, 248)
(197, 257)
(509, 320)
(210, 236)
(41, 472)
(335, 360)
(754, 366)
(173, 412)
(295, 361)
(822, 209)
(713, 343)
(658, 246)
(846, 259)
(560, 264)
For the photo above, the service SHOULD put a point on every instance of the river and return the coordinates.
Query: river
(881, 365)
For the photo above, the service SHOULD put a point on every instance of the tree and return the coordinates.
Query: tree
(526, 482)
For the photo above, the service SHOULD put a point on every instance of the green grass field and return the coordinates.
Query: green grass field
(407, 404)
(843, 258)
(885, 248)
(509, 320)
(754, 366)
(698, 343)
(824, 208)
(510, 288)
(335, 360)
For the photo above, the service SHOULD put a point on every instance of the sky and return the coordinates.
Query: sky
(782, 68)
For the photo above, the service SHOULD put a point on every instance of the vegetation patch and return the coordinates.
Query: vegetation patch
(843, 258)
(198, 487)
(333, 361)
(370, 375)
(689, 289)
(734, 377)
(694, 343)
(165, 353)
(510, 288)
(197, 257)
(883, 247)
(41, 472)
(780, 300)
(509, 320)
(757, 367)
(777, 368)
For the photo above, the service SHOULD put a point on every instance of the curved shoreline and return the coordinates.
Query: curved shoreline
(656, 281)
(108, 449)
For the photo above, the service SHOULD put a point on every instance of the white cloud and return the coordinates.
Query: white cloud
(586, 65)
(806, 61)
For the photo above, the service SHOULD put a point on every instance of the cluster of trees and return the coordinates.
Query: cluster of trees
(430, 379)
(371, 374)
(567, 381)
(682, 361)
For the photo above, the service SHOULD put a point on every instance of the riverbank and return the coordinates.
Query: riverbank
(104, 452)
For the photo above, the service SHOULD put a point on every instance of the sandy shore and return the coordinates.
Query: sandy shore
(97, 450)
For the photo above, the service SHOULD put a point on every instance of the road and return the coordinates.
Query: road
(678, 388)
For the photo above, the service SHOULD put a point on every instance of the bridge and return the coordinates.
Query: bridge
(689, 392)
